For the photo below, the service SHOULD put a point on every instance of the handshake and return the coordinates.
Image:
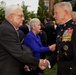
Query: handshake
(43, 64)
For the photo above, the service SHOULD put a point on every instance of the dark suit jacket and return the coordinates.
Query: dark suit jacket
(21, 36)
(12, 54)
(25, 29)
(51, 34)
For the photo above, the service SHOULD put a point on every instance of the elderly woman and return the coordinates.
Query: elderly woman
(32, 40)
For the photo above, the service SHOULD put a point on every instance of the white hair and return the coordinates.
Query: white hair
(65, 5)
(10, 9)
(74, 16)
(34, 22)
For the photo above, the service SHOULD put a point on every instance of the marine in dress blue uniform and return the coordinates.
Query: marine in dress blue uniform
(66, 50)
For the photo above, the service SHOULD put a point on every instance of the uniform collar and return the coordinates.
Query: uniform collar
(69, 22)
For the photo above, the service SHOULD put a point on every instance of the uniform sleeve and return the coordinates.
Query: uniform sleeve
(74, 43)
(53, 58)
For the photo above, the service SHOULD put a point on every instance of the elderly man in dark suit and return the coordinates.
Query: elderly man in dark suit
(13, 55)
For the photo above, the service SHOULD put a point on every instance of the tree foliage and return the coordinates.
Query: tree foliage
(27, 14)
(42, 11)
(2, 12)
(25, 10)
(73, 2)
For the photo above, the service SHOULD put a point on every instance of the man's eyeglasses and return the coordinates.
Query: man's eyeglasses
(19, 15)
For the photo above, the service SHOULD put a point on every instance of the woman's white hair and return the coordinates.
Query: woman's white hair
(65, 5)
(10, 9)
(33, 22)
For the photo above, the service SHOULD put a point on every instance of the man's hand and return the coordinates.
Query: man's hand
(52, 47)
(43, 64)
(26, 67)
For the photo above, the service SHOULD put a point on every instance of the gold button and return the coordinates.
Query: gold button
(58, 36)
(61, 29)
(64, 25)
(70, 68)
(72, 22)
(57, 51)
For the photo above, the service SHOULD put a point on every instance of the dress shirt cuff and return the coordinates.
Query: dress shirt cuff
(49, 66)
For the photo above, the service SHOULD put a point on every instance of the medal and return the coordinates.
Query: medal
(65, 47)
